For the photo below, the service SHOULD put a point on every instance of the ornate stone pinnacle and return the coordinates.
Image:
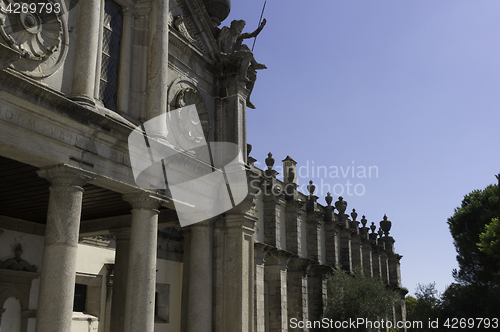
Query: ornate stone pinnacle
(385, 226)
(329, 199)
(354, 215)
(380, 232)
(341, 205)
(270, 161)
(363, 221)
(311, 188)
(373, 227)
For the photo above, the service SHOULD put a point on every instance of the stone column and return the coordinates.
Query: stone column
(276, 278)
(141, 280)
(331, 235)
(120, 279)
(313, 226)
(293, 231)
(377, 269)
(297, 296)
(394, 270)
(317, 288)
(345, 249)
(231, 122)
(126, 61)
(87, 43)
(157, 83)
(272, 225)
(260, 310)
(57, 277)
(186, 266)
(384, 263)
(200, 279)
(234, 270)
(356, 253)
(367, 257)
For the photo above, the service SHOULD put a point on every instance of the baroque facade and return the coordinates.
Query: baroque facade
(84, 248)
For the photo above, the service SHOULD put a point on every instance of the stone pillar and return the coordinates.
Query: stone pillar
(297, 296)
(125, 59)
(345, 250)
(157, 92)
(57, 277)
(272, 224)
(293, 231)
(87, 43)
(313, 226)
(367, 257)
(120, 279)
(260, 309)
(200, 278)
(186, 266)
(331, 235)
(234, 269)
(356, 252)
(377, 269)
(276, 278)
(231, 122)
(384, 262)
(141, 280)
(394, 270)
(317, 288)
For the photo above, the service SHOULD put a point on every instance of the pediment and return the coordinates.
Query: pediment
(190, 20)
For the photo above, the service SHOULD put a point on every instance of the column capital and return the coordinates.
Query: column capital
(65, 175)
(122, 233)
(143, 201)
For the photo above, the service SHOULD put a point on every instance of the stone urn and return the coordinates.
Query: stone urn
(218, 10)
(385, 225)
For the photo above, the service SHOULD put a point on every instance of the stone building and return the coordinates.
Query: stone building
(83, 247)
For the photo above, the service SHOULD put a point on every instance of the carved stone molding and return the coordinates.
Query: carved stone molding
(40, 38)
(180, 25)
(17, 263)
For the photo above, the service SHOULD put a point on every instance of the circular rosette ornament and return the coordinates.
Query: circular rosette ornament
(35, 29)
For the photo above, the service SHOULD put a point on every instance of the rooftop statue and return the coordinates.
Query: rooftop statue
(231, 45)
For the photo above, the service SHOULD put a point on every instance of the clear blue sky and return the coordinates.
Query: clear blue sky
(409, 86)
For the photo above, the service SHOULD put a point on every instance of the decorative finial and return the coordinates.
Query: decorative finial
(329, 199)
(364, 221)
(249, 149)
(291, 175)
(18, 251)
(385, 225)
(380, 232)
(311, 188)
(341, 205)
(270, 161)
(373, 227)
(354, 215)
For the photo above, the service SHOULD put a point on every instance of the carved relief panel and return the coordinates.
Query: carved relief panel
(38, 33)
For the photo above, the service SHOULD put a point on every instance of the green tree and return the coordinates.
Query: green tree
(489, 241)
(357, 296)
(424, 306)
(467, 223)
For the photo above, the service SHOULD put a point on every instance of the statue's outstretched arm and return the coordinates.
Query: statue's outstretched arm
(256, 32)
